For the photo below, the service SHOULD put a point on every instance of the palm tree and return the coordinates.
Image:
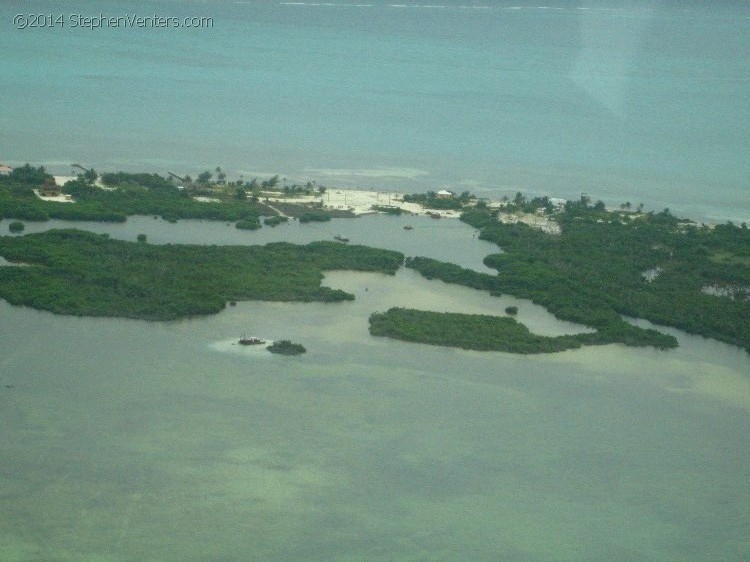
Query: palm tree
(220, 175)
(204, 177)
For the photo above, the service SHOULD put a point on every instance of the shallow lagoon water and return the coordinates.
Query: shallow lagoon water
(444, 239)
(125, 440)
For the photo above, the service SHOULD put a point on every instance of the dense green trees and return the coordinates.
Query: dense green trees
(470, 331)
(275, 220)
(285, 347)
(564, 301)
(311, 213)
(248, 224)
(519, 204)
(73, 272)
(451, 273)
(430, 200)
(389, 210)
(156, 196)
(27, 175)
(315, 216)
(127, 194)
(593, 272)
(144, 180)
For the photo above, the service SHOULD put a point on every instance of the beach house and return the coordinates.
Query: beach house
(50, 188)
(5, 170)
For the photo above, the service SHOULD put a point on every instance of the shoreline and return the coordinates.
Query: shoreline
(360, 200)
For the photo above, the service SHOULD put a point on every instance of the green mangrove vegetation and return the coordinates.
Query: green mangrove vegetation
(85, 274)
(483, 332)
(275, 220)
(605, 265)
(602, 268)
(315, 216)
(468, 331)
(248, 224)
(123, 195)
(388, 209)
(432, 200)
(286, 347)
(150, 194)
(610, 326)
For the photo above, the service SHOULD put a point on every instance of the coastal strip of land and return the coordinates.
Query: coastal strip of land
(583, 262)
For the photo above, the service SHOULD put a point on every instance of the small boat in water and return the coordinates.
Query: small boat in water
(341, 238)
(408, 227)
(252, 340)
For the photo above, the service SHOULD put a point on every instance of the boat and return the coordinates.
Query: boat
(341, 238)
(252, 340)
(434, 215)
(408, 227)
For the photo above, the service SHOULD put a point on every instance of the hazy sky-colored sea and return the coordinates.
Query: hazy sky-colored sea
(626, 101)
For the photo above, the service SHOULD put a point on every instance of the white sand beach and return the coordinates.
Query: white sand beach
(61, 198)
(62, 180)
(360, 201)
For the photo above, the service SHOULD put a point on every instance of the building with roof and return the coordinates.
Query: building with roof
(50, 189)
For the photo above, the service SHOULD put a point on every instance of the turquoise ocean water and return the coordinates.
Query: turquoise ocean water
(637, 101)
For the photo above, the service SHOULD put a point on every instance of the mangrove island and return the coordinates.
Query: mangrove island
(584, 263)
